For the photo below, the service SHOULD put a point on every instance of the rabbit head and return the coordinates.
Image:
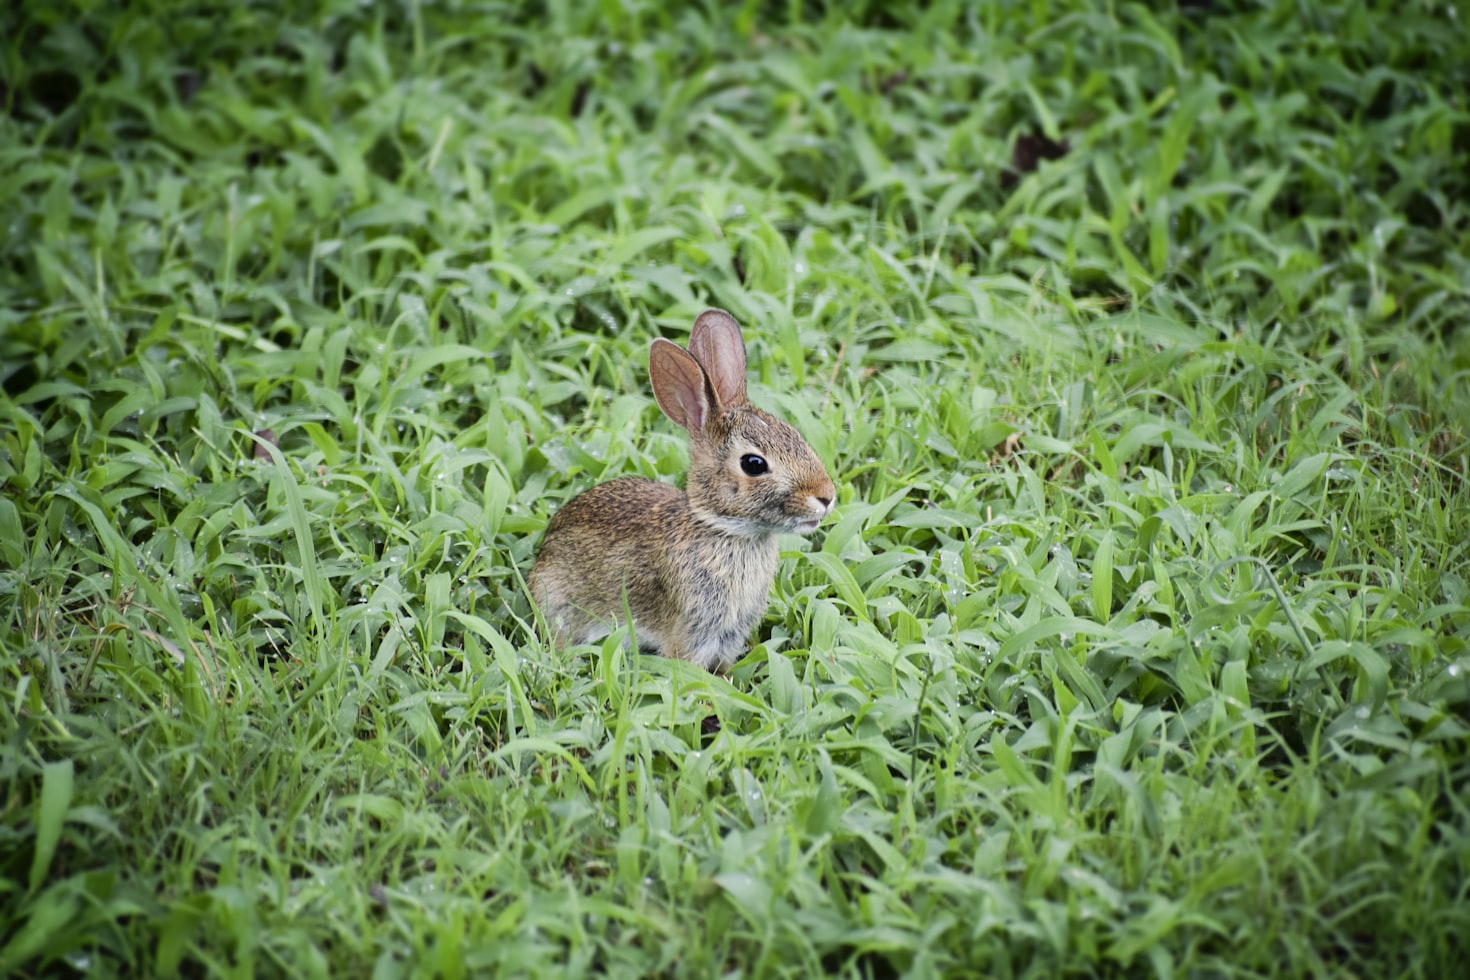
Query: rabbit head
(750, 474)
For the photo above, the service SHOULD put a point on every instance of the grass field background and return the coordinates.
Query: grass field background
(1135, 340)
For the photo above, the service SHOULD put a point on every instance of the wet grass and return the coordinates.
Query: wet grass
(1135, 341)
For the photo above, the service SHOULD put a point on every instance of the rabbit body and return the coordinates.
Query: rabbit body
(694, 568)
(694, 594)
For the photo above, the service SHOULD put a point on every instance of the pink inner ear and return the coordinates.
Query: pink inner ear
(678, 385)
(717, 345)
(693, 408)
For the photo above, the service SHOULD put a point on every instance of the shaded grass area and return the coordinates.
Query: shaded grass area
(1134, 340)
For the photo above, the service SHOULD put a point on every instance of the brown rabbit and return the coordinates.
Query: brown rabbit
(695, 568)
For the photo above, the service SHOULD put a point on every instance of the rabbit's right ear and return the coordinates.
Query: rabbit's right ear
(680, 385)
(717, 345)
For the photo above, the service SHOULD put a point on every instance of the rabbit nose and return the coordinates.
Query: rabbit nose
(826, 502)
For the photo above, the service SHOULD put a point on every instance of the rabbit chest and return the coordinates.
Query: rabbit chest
(729, 590)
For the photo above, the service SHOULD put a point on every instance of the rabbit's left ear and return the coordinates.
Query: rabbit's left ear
(717, 345)
(680, 385)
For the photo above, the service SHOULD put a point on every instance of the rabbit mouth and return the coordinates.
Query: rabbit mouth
(806, 527)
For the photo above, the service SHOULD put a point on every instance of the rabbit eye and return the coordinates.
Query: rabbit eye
(753, 465)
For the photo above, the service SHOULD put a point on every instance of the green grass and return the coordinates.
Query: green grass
(1139, 644)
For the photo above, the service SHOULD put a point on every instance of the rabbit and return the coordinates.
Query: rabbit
(695, 568)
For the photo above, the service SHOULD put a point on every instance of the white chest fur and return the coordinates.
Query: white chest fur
(732, 589)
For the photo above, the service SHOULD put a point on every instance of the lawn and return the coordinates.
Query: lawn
(1136, 340)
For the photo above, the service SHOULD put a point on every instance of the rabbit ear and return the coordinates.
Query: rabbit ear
(679, 384)
(717, 345)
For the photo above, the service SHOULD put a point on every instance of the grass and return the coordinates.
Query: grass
(1135, 340)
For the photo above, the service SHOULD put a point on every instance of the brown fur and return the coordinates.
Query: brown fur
(695, 568)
